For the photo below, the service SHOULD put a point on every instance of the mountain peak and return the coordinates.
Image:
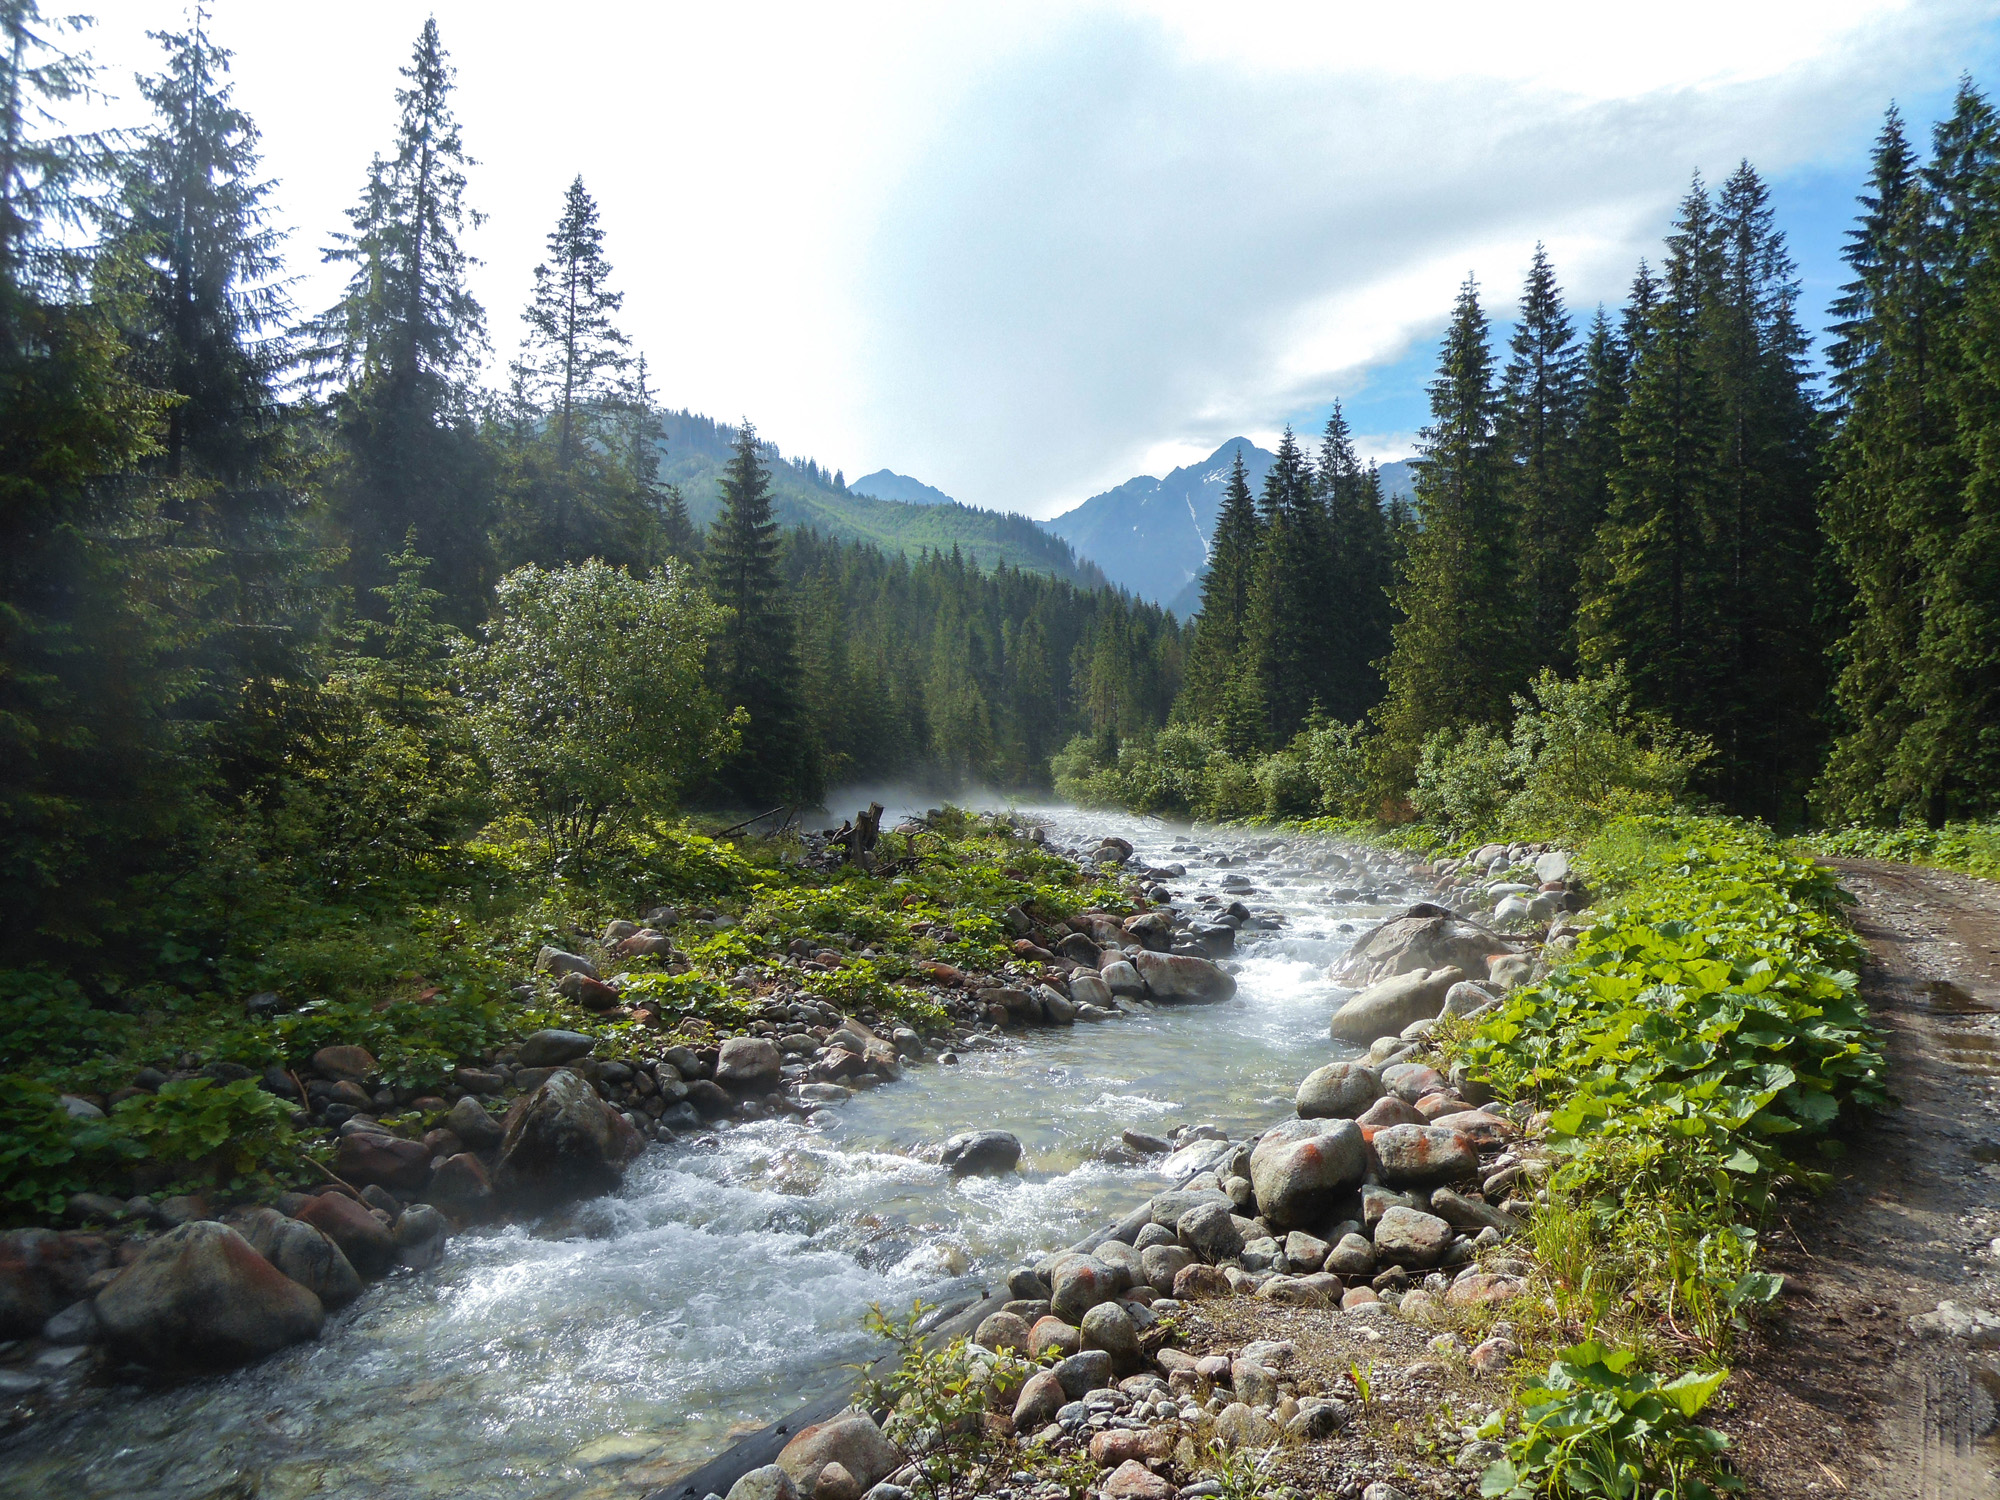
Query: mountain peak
(886, 484)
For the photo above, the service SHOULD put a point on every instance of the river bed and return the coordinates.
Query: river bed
(604, 1352)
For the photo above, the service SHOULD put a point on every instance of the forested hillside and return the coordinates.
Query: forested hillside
(1647, 558)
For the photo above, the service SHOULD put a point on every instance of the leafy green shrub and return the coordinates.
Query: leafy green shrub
(1462, 779)
(45, 1021)
(1286, 786)
(244, 1132)
(40, 1159)
(589, 697)
(938, 1397)
(1342, 759)
(1596, 1427)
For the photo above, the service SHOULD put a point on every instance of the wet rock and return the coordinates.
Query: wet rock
(1122, 979)
(851, 1440)
(1426, 937)
(1085, 1371)
(767, 1483)
(301, 1252)
(1339, 1090)
(384, 1160)
(749, 1064)
(1409, 1237)
(981, 1152)
(1003, 1331)
(1423, 1155)
(1170, 976)
(1210, 1231)
(551, 1048)
(711, 1100)
(462, 1188)
(1053, 1333)
(562, 1142)
(1056, 1008)
(344, 1064)
(1107, 1326)
(369, 1247)
(199, 1297)
(1300, 1177)
(42, 1272)
(420, 1235)
(1146, 1145)
(470, 1122)
(75, 1325)
(1386, 1007)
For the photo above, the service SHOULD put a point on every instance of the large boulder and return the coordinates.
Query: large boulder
(1386, 1007)
(749, 1064)
(1424, 937)
(1209, 1229)
(388, 1161)
(42, 1272)
(364, 1239)
(980, 1153)
(199, 1297)
(462, 1187)
(1122, 979)
(1338, 1091)
(851, 1440)
(1174, 976)
(1079, 1285)
(562, 1142)
(301, 1252)
(552, 1048)
(1424, 1155)
(1152, 930)
(470, 1122)
(1301, 1170)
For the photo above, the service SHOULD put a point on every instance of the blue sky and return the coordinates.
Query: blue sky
(1024, 252)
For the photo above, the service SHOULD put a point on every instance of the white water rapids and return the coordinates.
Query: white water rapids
(602, 1353)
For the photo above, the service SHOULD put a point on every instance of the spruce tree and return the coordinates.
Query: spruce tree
(1600, 408)
(1215, 658)
(1538, 435)
(756, 656)
(574, 351)
(1357, 604)
(1290, 628)
(404, 344)
(1456, 658)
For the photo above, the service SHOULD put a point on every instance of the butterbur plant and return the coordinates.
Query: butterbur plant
(1594, 1426)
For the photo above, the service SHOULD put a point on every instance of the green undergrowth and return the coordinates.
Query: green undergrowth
(1695, 1052)
(427, 973)
(1970, 848)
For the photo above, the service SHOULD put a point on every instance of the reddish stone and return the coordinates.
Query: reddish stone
(349, 1064)
(387, 1160)
(1197, 1282)
(369, 1247)
(42, 1272)
(1119, 1445)
(461, 1187)
(1132, 1480)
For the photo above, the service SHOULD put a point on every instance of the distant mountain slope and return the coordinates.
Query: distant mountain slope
(1399, 480)
(695, 449)
(1151, 535)
(885, 484)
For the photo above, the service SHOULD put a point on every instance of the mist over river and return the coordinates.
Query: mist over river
(604, 1351)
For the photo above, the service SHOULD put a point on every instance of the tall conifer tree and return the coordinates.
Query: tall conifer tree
(1289, 633)
(1358, 602)
(1456, 658)
(1538, 433)
(1215, 658)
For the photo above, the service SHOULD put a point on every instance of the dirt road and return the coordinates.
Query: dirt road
(1840, 1395)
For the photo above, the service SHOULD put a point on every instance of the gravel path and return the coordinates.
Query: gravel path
(1842, 1393)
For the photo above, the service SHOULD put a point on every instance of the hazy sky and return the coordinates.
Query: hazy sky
(1026, 251)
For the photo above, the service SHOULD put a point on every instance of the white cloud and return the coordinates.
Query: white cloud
(1025, 251)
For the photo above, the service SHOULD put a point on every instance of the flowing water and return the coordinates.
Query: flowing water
(604, 1353)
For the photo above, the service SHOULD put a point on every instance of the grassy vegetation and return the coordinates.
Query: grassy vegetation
(1971, 848)
(434, 971)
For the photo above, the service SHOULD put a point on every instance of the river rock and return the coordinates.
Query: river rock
(42, 1272)
(199, 1297)
(368, 1246)
(1161, 1264)
(1174, 976)
(1153, 930)
(981, 1152)
(1352, 1256)
(420, 1234)
(1040, 1399)
(563, 1142)
(1411, 1081)
(1389, 1005)
(1299, 1177)
(1122, 979)
(385, 1160)
(301, 1252)
(1240, 1427)
(1426, 937)
(344, 1064)
(1305, 1252)
(1423, 1155)
(1209, 1229)
(1078, 1286)
(470, 1122)
(462, 1187)
(1107, 1326)
(1197, 1283)
(1471, 1215)
(1470, 998)
(851, 1440)
(1389, 1110)
(555, 961)
(1083, 1372)
(1408, 1237)
(749, 1064)
(1056, 1008)
(551, 1048)
(1168, 1207)
(767, 1483)
(1090, 989)
(1339, 1090)
(1052, 1332)
(1480, 1289)
(1132, 1480)
(1003, 1331)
